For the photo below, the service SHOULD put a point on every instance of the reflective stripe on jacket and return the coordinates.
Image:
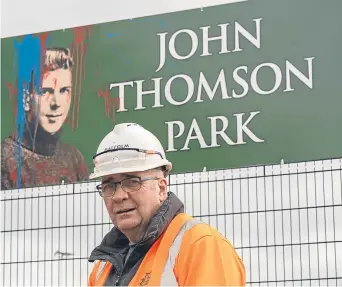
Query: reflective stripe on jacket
(188, 253)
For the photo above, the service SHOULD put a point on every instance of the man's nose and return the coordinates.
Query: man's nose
(55, 102)
(119, 195)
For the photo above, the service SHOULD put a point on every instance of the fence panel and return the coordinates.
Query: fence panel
(284, 221)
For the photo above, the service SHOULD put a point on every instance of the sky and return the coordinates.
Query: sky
(14, 12)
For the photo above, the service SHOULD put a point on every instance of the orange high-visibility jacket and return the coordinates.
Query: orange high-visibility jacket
(188, 253)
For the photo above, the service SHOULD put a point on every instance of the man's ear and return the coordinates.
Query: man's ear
(162, 189)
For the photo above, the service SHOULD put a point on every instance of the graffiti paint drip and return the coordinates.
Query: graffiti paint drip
(28, 52)
(79, 49)
(12, 91)
(13, 94)
(43, 38)
(110, 103)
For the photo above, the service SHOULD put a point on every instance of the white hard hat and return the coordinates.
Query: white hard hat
(128, 148)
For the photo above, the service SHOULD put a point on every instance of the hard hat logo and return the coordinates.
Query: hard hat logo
(119, 146)
(128, 148)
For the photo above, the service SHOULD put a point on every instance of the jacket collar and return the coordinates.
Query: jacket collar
(115, 244)
(37, 140)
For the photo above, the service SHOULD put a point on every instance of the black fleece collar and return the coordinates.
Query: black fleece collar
(37, 140)
(115, 244)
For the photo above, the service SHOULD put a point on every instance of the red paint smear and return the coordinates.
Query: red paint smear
(109, 103)
(79, 48)
(68, 120)
(13, 172)
(13, 91)
(43, 38)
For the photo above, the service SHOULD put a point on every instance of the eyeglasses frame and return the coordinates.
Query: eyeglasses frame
(117, 183)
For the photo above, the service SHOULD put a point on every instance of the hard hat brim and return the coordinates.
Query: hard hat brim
(119, 170)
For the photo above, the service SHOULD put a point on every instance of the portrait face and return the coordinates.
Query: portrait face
(51, 105)
(131, 211)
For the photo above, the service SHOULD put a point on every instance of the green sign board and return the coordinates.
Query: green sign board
(247, 83)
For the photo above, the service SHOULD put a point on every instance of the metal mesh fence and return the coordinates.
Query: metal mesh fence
(284, 221)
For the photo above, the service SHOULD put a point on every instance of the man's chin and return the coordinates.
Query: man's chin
(52, 130)
(128, 224)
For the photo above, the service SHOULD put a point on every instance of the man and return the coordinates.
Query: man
(44, 159)
(153, 242)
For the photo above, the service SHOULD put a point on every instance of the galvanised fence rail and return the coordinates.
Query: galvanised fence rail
(284, 220)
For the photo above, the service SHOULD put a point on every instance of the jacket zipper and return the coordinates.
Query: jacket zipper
(123, 268)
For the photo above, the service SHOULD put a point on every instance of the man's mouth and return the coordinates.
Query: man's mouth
(125, 210)
(53, 116)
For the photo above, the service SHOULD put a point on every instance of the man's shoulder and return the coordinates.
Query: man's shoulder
(8, 148)
(203, 235)
(8, 141)
(66, 147)
(197, 229)
(69, 150)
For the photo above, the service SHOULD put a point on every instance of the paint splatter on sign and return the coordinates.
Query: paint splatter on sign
(29, 53)
(79, 49)
(109, 103)
(13, 94)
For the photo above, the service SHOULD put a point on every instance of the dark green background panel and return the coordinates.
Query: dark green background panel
(297, 126)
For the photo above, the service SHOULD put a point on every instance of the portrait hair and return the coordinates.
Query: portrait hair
(54, 59)
(58, 58)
